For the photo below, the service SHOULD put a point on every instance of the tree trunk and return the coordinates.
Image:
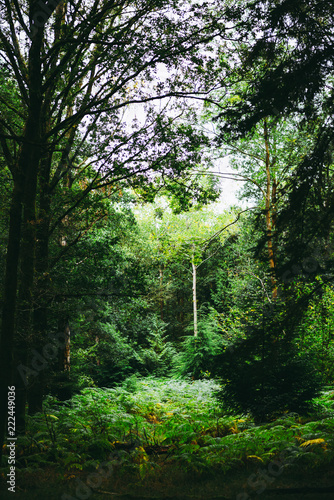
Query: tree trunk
(9, 305)
(40, 317)
(194, 269)
(64, 353)
(30, 159)
(21, 243)
(271, 256)
(161, 275)
(24, 334)
(182, 312)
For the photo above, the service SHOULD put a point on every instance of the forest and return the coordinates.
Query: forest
(166, 249)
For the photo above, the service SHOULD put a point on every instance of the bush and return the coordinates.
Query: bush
(110, 360)
(158, 358)
(114, 356)
(266, 385)
(198, 354)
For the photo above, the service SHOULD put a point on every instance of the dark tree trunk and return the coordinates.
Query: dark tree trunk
(9, 305)
(21, 242)
(37, 387)
(24, 334)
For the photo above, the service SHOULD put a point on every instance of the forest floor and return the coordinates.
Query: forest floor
(166, 438)
(53, 484)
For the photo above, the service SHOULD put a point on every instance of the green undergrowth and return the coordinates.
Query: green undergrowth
(151, 423)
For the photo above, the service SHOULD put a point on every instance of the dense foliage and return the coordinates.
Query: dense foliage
(148, 430)
(143, 325)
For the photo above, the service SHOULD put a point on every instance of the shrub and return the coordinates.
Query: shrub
(268, 383)
(158, 358)
(198, 354)
(110, 360)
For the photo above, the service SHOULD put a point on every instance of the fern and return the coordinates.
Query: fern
(134, 423)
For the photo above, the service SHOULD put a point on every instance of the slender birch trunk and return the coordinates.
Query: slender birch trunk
(194, 269)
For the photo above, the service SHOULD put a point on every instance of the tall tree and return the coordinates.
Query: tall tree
(284, 68)
(263, 163)
(74, 69)
(287, 61)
